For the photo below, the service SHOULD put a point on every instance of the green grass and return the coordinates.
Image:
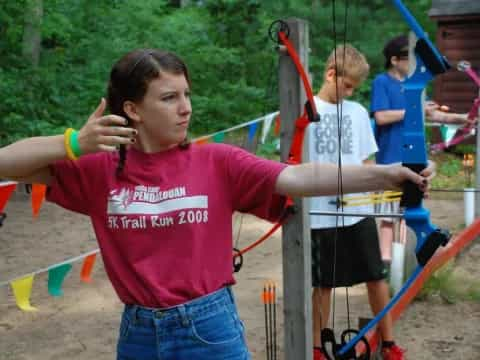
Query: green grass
(451, 173)
(450, 286)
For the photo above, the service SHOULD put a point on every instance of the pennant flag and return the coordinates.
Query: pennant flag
(85, 274)
(252, 129)
(38, 195)
(448, 132)
(202, 141)
(218, 138)
(443, 131)
(22, 289)
(5, 193)
(276, 130)
(56, 277)
(267, 124)
(451, 131)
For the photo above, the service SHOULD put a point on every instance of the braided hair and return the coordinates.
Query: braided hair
(129, 80)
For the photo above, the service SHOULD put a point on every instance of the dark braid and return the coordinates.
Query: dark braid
(116, 107)
(122, 153)
(129, 79)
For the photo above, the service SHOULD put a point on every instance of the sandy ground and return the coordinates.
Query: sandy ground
(83, 324)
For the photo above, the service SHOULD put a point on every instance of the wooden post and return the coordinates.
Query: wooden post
(297, 278)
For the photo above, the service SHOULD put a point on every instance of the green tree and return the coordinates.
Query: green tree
(224, 42)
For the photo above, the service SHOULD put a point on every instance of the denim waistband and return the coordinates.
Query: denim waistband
(195, 307)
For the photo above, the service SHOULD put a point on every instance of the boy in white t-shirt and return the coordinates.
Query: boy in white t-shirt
(351, 254)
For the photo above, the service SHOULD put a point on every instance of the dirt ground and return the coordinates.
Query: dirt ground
(83, 324)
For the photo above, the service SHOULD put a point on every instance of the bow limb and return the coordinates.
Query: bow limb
(238, 253)
(467, 68)
(468, 129)
(310, 105)
(463, 132)
(310, 114)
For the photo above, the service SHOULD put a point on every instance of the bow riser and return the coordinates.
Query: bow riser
(414, 150)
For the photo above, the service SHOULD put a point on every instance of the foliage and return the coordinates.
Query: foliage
(224, 42)
(450, 286)
(451, 173)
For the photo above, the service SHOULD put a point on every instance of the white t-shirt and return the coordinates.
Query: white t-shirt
(357, 143)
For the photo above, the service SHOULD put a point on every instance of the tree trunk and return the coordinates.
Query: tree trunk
(32, 31)
(179, 3)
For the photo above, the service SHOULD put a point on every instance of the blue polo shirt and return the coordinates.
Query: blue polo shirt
(387, 94)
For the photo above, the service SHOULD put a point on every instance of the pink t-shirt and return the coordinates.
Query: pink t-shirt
(165, 226)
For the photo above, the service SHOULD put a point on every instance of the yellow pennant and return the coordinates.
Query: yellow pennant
(22, 289)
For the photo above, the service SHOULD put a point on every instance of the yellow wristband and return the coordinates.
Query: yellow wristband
(68, 147)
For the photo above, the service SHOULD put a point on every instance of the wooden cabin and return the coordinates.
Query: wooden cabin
(458, 38)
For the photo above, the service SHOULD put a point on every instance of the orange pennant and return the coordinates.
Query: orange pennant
(38, 195)
(85, 274)
(5, 193)
(202, 141)
(276, 129)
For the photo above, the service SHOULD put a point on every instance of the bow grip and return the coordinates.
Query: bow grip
(412, 195)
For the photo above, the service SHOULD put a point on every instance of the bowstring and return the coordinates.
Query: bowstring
(266, 97)
(339, 109)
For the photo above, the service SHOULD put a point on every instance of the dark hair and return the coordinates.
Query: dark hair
(398, 46)
(129, 79)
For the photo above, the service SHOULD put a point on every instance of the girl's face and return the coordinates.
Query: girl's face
(163, 116)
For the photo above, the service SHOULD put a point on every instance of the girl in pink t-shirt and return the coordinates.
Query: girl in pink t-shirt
(161, 207)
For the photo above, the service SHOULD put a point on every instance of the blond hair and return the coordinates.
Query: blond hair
(350, 63)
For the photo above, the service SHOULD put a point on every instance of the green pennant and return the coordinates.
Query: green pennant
(443, 132)
(56, 277)
(218, 138)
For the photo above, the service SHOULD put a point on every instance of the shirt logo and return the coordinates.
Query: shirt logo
(141, 207)
(152, 200)
(122, 197)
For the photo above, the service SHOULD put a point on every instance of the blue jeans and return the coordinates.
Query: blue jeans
(204, 328)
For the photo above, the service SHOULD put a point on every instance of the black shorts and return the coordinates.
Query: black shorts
(358, 258)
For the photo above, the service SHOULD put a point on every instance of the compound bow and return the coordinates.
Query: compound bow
(429, 63)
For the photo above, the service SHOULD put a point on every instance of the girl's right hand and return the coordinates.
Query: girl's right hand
(104, 133)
